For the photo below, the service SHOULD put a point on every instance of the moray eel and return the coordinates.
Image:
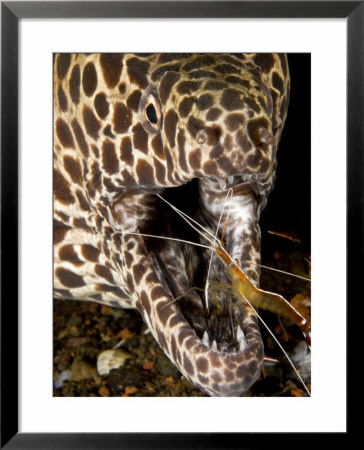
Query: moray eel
(130, 126)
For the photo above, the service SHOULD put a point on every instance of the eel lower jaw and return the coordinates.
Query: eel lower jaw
(217, 367)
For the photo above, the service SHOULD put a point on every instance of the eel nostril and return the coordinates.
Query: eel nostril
(266, 137)
(201, 137)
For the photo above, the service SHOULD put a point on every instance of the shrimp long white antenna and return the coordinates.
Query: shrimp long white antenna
(191, 221)
(285, 273)
(135, 233)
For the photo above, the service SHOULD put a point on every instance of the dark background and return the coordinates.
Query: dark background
(289, 204)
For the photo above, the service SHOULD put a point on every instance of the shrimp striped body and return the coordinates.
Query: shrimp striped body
(128, 126)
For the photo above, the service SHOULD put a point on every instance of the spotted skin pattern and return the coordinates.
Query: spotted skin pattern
(127, 126)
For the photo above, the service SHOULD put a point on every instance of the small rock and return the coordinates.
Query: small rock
(130, 390)
(301, 357)
(165, 367)
(110, 359)
(125, 333)
(125, 376)
(82, 370)
(62, 377)
(106, 310)
(148, 365)
(70, 330)
(76, 341)
(297, 392)
(104, 391)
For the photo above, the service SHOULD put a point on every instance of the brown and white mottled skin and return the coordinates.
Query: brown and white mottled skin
(127, 126)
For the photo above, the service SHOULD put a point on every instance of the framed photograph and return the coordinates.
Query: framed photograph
(175, 124)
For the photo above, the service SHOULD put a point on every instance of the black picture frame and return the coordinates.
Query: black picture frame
(11, 12)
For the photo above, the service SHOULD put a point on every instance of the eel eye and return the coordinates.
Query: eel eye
(150, 112)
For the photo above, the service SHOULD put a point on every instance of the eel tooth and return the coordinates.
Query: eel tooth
(240, 337)
(222, 183)
(214, 346)
(205, 339)
(230, 179)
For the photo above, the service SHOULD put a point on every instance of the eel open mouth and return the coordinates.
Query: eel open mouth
(209, 334)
